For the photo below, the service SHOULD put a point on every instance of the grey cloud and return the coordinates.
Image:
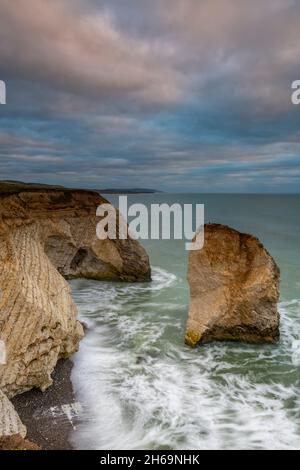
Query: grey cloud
(73, 50)
(169, 93)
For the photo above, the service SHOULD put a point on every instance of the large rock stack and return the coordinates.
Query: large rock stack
(234, 290)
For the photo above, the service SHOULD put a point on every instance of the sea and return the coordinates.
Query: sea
(141, 387)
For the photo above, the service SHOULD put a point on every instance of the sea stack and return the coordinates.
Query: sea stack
(46, 235)
(234, 290)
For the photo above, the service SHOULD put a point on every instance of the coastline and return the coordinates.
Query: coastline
(50, 416)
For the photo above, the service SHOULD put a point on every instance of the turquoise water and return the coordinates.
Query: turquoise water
(140, 386)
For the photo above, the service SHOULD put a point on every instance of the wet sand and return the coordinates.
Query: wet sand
(50, 416)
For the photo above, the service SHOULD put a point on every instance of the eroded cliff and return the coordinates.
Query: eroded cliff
(47, 234)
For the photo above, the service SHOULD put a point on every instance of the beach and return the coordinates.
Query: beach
(48, 425)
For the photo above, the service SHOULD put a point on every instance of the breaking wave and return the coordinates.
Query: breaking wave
(141, 388)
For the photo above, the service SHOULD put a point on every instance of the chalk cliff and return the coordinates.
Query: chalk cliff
(47, 234)
(234, 289)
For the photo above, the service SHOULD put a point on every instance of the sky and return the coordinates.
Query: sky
(175, 95)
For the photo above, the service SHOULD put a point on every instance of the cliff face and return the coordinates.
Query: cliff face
(46, 234)
(234, 290)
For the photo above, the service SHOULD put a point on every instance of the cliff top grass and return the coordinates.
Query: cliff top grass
(15, 187)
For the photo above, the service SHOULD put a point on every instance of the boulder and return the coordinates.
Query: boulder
(10, 423)
(234, 290)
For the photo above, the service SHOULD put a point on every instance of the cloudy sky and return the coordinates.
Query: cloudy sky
(178, 95)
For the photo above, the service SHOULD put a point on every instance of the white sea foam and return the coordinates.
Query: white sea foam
(142, 388)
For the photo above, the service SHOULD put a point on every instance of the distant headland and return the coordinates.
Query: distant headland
(128, 191)
(12, 186)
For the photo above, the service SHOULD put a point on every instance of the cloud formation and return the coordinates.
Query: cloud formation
(74, 50)
(174, 94)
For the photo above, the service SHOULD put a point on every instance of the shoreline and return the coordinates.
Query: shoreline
(50, 416)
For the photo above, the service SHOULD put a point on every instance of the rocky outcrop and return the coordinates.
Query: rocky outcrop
(47, 234)
(234, 290)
